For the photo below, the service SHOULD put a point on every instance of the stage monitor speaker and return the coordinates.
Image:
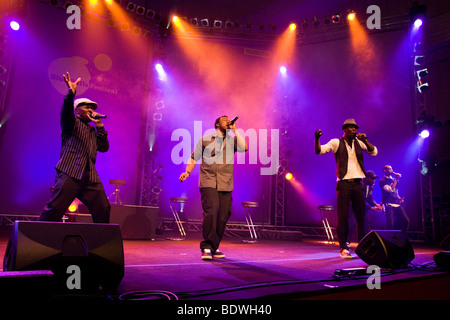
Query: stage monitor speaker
(442, 260)
(84, 257)
(386, 249)
(445, 243)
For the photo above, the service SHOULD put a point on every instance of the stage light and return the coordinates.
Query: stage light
(109, 2)
(194, 21)
(351, 15)
(292, 26)
(418, 23)
(424, 133)
(159, 67)
(73, 206)
(305, 23)
(289, 176)
(161, 72)
(14, 25)
(217, 24)
(336, 18)
(283, 70)
(131, 6)
(175, 19)
(326, 19)
(316, 22)
(93, 2)
(204, 22)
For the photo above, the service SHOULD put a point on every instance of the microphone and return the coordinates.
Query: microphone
(234, 120)
(99, 116)
(397, 174)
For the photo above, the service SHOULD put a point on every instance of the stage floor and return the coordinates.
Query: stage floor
(266, 270)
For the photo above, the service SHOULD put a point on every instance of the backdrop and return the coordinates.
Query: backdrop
(325, 84)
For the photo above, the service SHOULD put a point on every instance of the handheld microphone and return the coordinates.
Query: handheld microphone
(99, 116)
(397, 174)
(234, 120)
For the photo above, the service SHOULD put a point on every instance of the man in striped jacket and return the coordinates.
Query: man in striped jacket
(76, 176)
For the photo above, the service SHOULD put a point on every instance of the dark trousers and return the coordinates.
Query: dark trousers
(216, 212)
(67, 189)
(396, 218)
(349, 192)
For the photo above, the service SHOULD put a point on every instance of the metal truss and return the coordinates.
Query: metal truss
(8, 219)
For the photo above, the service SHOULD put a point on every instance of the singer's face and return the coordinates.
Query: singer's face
(388, 170)
(84, 111)
(350, 131)
(223, 123)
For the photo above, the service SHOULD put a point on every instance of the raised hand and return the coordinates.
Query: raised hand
(72, 85)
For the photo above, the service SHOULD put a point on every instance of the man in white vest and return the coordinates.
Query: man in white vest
(348, 152)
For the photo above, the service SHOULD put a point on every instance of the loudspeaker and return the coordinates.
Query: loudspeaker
(442, 260)
(386, 249)
(135, 222)
(83, 257)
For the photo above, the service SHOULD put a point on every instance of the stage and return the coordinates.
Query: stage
(163, 269)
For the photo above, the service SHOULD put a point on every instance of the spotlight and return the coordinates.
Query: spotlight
(93, 2)
(131, 6)
(351, 15)
(336, 18)
(217, 24)
(73, 206)
(204, 22)
(326, 19)
(283, 70)
(14, 25)
(316, 22)
(292, 26)
(140, 10)
(305, 23)
(109, 2)
(417, 12)
(150, 14)
(194, 21)
(289, 176)
(424, 133)
(228, 24)
(418, 23)
(161, 73)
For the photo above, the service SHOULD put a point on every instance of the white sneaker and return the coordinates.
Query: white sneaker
(206, 254)
(218, 254)
(345, 254)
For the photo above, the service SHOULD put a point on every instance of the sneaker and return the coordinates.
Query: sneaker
(218, 254)
(345, 254)
(206, 254)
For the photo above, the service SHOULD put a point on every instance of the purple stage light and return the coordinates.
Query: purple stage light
(159, 67)
(424, 133)
(283, 69)
(418, 23)
(14, 25)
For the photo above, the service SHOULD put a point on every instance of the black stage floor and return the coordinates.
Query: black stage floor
(275, 270)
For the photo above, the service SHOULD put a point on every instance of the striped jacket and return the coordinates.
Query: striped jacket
(80, 143)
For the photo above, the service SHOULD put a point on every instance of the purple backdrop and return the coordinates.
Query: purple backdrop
(324, 86)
